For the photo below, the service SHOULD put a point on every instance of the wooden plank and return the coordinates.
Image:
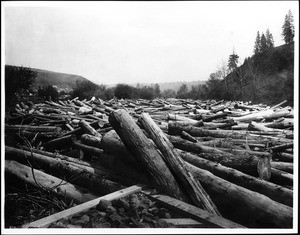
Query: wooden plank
(194, 212)
(45, 222)
(185, 223)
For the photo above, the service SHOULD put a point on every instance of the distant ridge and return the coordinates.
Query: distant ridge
(61, 80)
(66, 81)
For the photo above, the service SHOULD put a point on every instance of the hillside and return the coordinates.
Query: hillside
(267, 77)
(61, 80)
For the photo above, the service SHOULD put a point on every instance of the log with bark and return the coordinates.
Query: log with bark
(197, 194)
(49, 183)
(240, 204)
(145, 153)
(249, 164)
(95, 180)
(273, 191)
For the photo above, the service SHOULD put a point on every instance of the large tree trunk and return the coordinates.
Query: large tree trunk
(249, 164)
(197, 194)
(145, 153)
(242, 205)
(48, 182)
(235, 205)
(273, 191)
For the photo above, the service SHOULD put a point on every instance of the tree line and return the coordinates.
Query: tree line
(265, 76)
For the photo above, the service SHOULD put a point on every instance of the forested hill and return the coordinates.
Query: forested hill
(266, 77)
(61, 80)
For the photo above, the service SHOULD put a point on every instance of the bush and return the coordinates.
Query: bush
(48, 93)
(18, 81)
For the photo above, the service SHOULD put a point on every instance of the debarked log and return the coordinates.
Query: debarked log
(51, 183)
(243, 205)
(145, 153)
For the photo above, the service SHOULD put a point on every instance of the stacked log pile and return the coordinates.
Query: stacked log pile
(231, 160)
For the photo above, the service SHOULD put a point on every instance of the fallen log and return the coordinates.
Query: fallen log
(285, 157)
(88, 129)
(112, 143)
(175, 128)
(281, 178)
(249, 164)
(185, 120)
(197, 194)
(106, 164)
(91, 140)
(271, 190)
(244, 206)
(48, 182)
(208, 118)
(20, 128)
(145, 153)
(96, 181)
(282, 147)
(283, 166)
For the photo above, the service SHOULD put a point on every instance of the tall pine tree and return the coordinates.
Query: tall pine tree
(288, 28)
(257, 44)
(269, 39)
(233, 60)
(263, 43)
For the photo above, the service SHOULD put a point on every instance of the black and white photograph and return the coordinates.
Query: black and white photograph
(140, 117)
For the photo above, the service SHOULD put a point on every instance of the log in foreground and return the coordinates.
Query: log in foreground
(197, 194)
(227, 194)
(273, 191)
(240, 204)
(51, 183)
(145, 153)
(85, 176)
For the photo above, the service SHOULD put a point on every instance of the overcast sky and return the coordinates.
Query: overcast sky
(130, 42)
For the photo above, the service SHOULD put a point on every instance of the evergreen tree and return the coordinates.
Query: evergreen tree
(263, 43)
(232, 62)
(269, 39)
(288, 29)
(257, 44)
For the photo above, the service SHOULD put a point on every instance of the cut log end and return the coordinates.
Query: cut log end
(264, 168)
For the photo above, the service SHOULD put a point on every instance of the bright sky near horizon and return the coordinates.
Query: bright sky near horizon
(147, 42)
